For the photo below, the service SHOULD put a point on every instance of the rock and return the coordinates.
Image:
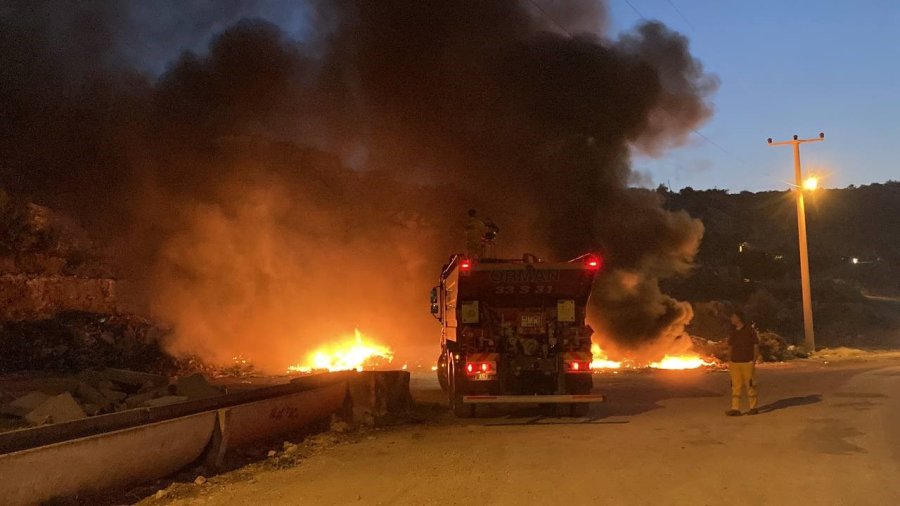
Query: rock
(340, 426)
(25, 404)
(113, 396)
(200, 480)
(165, 401)
(91, 409)
(57, 409)
(161, 493)
(91, 395)
(133, 379)
(136, 400)
(196, 386)
(271, 453)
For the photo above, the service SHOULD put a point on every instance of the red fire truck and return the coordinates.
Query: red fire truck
(513, 331)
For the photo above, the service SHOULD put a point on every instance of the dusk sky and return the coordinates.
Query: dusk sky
(785, 67)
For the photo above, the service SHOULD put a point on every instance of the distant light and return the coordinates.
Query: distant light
(575, 366)
(465, 264)
(854, 260)
(811, 183)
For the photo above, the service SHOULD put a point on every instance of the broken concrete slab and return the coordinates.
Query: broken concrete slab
(133, 379)
(89, 394)
(24, 404)
(379, 397)
(165, 401)
(137, 400)
(57, 409)
(112, 396)
(196, 386)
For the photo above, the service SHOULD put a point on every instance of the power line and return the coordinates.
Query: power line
(551, 18)
(720, 148)
(635, 10)
(681, 14)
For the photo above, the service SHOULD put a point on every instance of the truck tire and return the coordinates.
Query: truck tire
(460, 410)
(579, 409)
(442, 373)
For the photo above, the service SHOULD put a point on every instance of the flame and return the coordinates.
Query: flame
(680, 362)
(672, 362)
(600, 360)
(351, 354)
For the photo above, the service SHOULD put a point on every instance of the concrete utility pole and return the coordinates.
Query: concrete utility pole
(809, 341)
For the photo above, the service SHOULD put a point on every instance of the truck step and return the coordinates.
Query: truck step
(533, 399)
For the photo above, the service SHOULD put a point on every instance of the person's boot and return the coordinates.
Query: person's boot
(753, 411)
(732, 412)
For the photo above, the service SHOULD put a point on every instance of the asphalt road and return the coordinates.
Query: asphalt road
(826, 434)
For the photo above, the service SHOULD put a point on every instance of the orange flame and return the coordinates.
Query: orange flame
(672, 362)
(355, 353)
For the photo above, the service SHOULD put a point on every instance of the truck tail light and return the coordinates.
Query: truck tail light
(482, 368)
(593, 262)
(577, 366)
(465, 264)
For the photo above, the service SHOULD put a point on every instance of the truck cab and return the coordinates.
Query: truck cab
(513, 331)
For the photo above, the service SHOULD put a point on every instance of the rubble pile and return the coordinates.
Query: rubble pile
(95, 392)
(74, 341)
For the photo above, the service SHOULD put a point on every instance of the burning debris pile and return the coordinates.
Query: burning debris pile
(347, 354)
(688, 360)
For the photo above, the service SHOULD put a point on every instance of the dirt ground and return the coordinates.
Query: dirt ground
(827, 434)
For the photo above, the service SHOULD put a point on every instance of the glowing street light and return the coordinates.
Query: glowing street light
(811, 183)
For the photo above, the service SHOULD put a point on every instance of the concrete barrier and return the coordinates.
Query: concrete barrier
(24, 439)
(121, 449)
(246, 424)
(113, 459)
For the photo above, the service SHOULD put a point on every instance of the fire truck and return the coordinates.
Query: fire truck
(513, 331)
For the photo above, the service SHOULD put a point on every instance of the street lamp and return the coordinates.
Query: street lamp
(810, 183)
(809, 340)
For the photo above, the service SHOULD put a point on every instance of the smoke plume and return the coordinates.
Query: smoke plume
(285, 184)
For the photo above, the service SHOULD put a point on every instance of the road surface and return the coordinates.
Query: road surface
(826, 434)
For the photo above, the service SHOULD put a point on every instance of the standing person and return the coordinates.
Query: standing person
(475, 230)
(743, 344)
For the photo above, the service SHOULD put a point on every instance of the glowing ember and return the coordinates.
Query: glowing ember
(673, 362)
(352, 354)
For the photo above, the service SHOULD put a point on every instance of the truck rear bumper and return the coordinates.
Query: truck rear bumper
(533, 399)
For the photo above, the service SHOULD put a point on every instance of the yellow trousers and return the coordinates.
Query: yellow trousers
(743, 375)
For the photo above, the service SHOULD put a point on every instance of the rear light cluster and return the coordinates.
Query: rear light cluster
(593, 262)
(465, 264)
(577, 366)
(473, 368)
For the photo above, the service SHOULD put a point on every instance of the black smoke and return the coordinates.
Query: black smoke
(271, 189)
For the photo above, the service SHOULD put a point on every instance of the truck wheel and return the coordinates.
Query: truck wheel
(460, 410)
(579, 409)
(442, 373)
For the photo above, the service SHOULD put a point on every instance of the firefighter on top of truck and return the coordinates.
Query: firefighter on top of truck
(479, 234)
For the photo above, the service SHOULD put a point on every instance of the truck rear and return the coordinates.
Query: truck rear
(513, 331)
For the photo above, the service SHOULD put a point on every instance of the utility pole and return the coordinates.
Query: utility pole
(809, 341)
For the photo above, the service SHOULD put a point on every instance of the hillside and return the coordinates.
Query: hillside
(749, 256)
